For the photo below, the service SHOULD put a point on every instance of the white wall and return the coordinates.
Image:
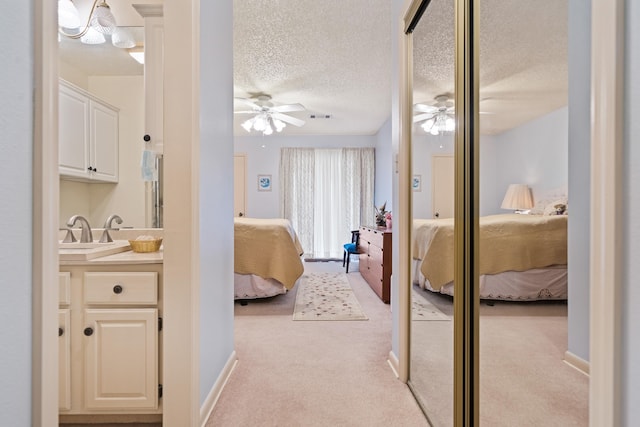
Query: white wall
(579, 176)
(16, 142)
(631, 223)
(126, 198)
(263, 157)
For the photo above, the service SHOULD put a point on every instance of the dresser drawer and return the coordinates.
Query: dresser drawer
(120, 288)
(64, 288)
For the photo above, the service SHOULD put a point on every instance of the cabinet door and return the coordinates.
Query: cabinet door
(64, 360)
(121, 358)
(103, 142)
(73, 133)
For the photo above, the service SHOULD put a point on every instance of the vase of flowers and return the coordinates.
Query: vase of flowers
(381, 212)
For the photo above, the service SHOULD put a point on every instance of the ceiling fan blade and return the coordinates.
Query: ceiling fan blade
(288, 108)
(248, 103)
(420, 117)
(246, 112)
(423, 108)
(287, 119)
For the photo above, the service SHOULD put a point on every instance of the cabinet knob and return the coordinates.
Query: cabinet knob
(60, 332)
(146, 138)
(88, 331)
(117, 289)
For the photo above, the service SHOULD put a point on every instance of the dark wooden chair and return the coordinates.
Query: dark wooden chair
(351, 248)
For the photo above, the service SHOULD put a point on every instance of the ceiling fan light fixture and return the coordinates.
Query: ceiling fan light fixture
(279, 124)
(247, 125)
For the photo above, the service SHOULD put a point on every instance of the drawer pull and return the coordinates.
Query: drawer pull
(60, 332)
(88, 331)
(117, 289)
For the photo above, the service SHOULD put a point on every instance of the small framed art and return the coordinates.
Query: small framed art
(264, 182)
(416, 183)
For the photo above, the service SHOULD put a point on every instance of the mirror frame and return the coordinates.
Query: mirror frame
(466, 303)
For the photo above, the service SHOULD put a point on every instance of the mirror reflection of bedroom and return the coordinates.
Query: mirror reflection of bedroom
(524, 213)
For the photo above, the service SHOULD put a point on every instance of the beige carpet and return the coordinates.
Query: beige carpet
(422, 309)
(326, 296)
(314, 373)
(523, 378)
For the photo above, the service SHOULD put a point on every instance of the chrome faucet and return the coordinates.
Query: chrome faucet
(106, 237)
(86, 236)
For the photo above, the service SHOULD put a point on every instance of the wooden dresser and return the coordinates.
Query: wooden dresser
(375, 259)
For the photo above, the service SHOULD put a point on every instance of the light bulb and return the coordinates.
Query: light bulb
(268, 130)
(450, 125)
(434, 130)
(260, 123)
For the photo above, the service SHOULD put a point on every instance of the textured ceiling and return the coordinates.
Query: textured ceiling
(334, 57)
(523, 59)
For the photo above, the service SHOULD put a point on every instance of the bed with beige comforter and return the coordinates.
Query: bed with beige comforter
(266, 257)
(522, 257)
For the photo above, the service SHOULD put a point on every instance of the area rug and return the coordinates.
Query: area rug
(424, 310)
(326, 296)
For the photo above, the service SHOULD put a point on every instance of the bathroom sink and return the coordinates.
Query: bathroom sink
(77, 251)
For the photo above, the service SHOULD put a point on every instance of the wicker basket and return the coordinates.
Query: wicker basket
(145, 245)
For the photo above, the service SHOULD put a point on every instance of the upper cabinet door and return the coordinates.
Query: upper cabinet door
(88, 136)
(73, 133)
(103, 125)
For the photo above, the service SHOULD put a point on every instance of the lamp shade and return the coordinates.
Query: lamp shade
(518, 197)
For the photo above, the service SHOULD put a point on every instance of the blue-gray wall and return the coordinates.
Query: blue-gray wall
(216, 190)
(631, 222)
(263, 157)
(16, 146)
(579, 175)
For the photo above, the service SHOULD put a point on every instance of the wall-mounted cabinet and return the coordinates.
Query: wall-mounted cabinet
(88, 136)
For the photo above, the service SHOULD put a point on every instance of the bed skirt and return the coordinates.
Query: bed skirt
(548, 283)
(250, 286)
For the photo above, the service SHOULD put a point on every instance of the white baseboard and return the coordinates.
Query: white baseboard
(576, 362)
(214, 394)
(394, 363)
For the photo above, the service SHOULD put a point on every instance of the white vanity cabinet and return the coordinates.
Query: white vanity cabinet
(115, 349)
(88, 136)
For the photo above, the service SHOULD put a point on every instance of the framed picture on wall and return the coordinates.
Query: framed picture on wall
(264, 182)
(416, 183)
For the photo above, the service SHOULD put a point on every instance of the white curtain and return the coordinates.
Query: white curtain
(326, 193)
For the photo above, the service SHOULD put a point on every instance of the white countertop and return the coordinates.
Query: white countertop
(128, 257)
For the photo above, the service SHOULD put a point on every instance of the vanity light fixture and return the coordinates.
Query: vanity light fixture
(100, 22)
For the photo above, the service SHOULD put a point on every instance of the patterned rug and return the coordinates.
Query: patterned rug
(326, 296)
(424, 310)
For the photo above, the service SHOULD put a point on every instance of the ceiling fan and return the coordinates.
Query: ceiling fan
(267, 116)
(438, 117)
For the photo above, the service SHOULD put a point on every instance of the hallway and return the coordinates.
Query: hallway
(314, 373)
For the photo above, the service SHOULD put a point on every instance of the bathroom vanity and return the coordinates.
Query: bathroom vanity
(110, 336)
